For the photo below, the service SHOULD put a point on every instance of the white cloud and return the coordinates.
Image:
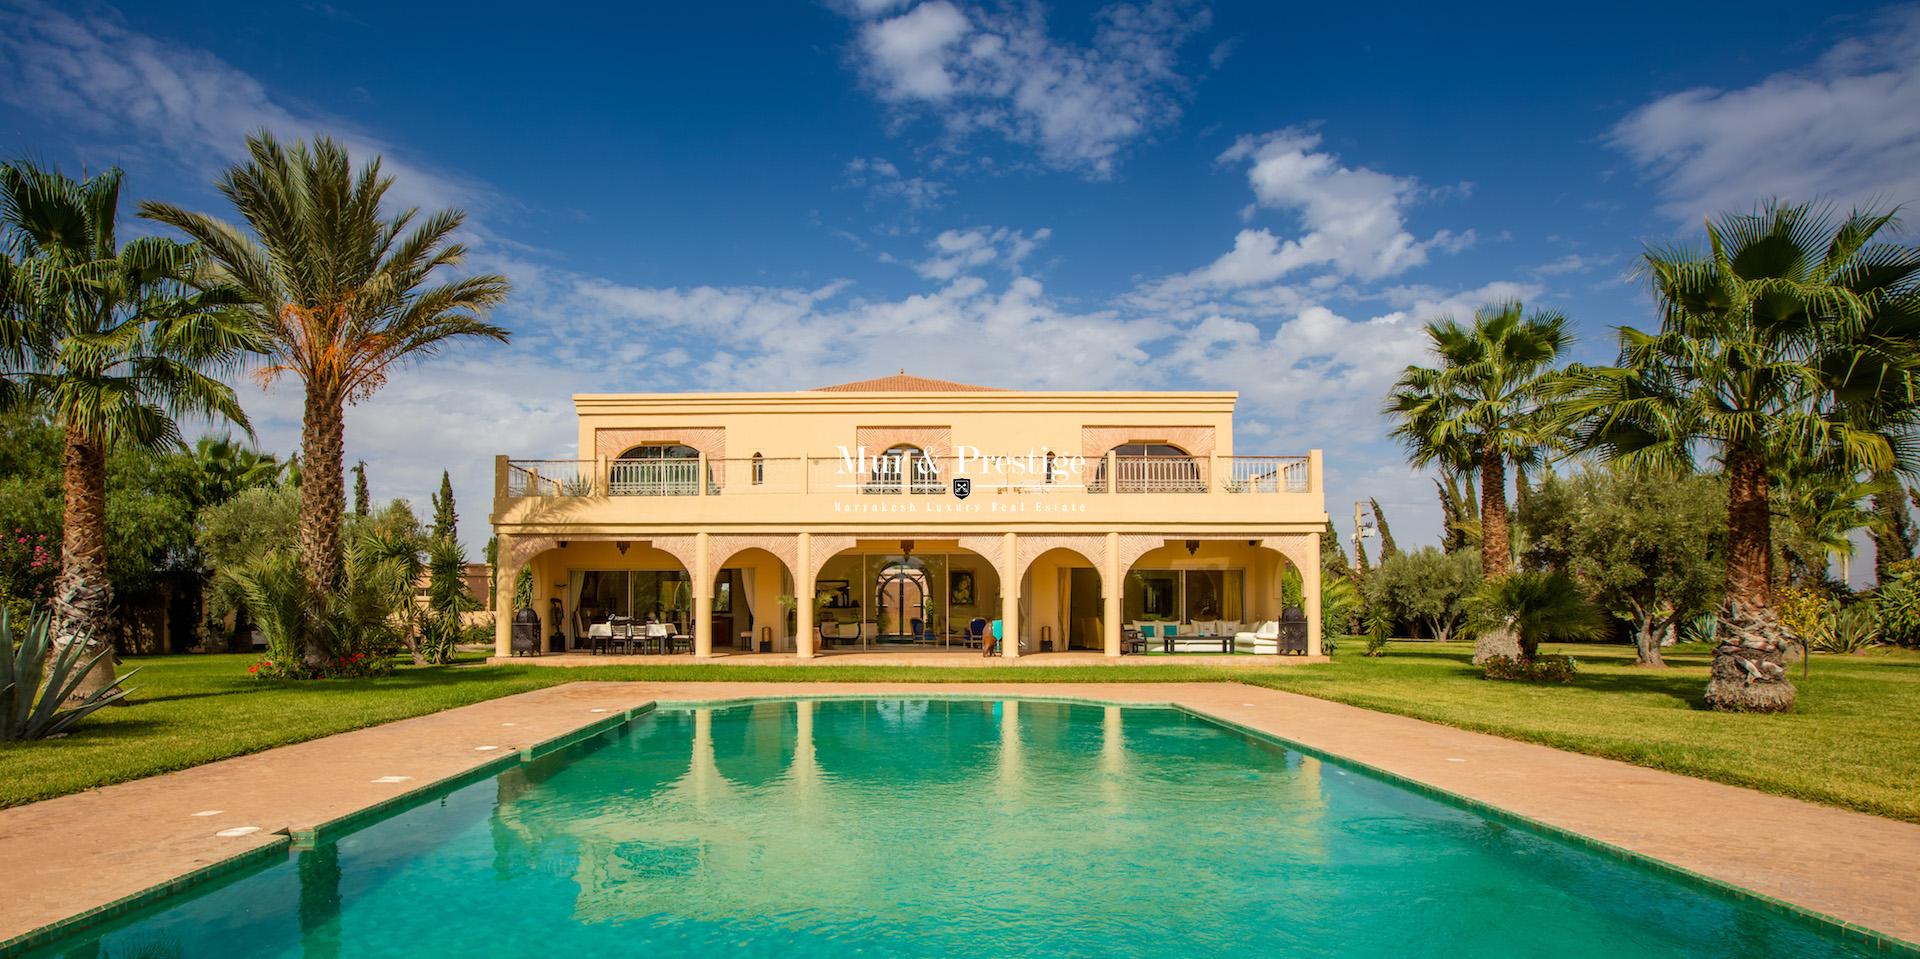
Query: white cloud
(963, 251)
(909, 53)
(1352, 222)
(1000, 70)
(1310, 375)
(195, 107)
(882, 179)
(1845, 128)
(1574, 263)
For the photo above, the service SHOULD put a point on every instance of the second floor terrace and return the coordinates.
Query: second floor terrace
(688, 486)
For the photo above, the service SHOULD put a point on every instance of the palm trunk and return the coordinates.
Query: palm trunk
(83, 594)
(1495, 555)
(322, 501)
(1749, 531)
(1749, 665)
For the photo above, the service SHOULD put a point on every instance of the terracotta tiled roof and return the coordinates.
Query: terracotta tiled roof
(903, 382)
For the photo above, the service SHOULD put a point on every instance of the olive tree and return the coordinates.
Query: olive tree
(1649, 552)
(1427, 587)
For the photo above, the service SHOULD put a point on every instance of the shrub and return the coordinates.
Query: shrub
(34, 692)
(1808, 614)
(1896, 603)
(1538, 607)
(1379, 630)
(1339, 600)
(1543, 669)
(352, 632)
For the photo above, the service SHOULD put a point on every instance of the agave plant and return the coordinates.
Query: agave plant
(1855, 628)
(34, 692)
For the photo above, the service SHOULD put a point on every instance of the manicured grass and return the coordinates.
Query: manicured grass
(1850, 742)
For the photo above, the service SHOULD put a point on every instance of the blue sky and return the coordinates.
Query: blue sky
(1261, 197)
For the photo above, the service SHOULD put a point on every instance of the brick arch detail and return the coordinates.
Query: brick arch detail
(1091, 547)
(710, 440)
(522, 549)
(1095, 441)
(935, 441)
(824, 549)
(785, 546)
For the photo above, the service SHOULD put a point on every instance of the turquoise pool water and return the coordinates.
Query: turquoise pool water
(944, 828)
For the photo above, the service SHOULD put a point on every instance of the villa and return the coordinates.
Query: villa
(910, 513)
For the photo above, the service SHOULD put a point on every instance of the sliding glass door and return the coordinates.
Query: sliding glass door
(1185, 595)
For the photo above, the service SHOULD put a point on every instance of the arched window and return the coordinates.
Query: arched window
(902, 458)
(759, 469)
(655, 469)
(1149, 467)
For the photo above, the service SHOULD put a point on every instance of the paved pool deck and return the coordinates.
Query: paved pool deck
(91, 850)
(943, 658)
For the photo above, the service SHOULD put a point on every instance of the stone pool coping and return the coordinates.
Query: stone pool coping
(93, 855)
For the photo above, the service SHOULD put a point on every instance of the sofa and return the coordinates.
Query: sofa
(1263, 638)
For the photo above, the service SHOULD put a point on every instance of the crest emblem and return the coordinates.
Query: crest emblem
(961, 487)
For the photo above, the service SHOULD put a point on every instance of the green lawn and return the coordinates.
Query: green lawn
(1850, 742)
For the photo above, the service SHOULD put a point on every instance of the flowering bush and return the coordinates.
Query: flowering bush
(28, 563)
(348, 666)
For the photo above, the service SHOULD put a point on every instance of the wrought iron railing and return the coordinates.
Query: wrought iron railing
(1267, 474)
(906, 475)
(550, 478)
(1150, 474)
(658, 477)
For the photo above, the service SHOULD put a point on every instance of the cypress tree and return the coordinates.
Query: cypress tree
(361, 501)
(1387, 549)
(445, 520)
(1333, 556)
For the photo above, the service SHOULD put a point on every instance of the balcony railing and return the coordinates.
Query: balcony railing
(916, 475)
(1151, 474)
(656, 477)
(1268, 474)
(550, 478)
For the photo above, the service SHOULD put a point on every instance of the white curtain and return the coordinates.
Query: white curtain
(1027, 631)
(746, 602)
(574, 579)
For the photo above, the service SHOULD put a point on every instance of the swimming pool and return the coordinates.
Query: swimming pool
(945, 827)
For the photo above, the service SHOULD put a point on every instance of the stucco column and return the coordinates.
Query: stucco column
(1310, 586)
(504, 575)
(1010, 597)
(803, 599)
(702, 598)
(1112, 589)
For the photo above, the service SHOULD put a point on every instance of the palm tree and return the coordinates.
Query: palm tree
(1479, 410)
(343, 294)
(117, 343)
(224, 469)
(1536, 607)
(1778, 345)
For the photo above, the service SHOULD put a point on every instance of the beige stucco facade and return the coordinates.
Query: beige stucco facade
(884, 502)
